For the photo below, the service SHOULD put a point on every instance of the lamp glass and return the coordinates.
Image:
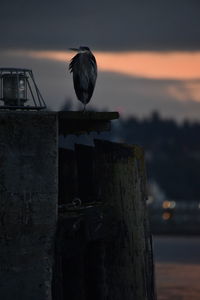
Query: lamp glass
(14, 87)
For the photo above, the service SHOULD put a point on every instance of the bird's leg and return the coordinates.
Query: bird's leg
(84, 106)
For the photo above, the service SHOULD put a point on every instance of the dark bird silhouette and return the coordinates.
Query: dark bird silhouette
(84, 68)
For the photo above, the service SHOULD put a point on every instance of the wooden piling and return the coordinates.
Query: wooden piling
(85, 170)
(128, 264)
(104, 241)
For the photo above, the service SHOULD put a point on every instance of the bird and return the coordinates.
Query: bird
(84, 68)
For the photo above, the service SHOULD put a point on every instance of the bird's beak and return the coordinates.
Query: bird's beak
(74, 49)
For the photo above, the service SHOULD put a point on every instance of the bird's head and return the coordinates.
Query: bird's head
(81, 49)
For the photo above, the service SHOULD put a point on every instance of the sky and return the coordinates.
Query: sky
(148, 52)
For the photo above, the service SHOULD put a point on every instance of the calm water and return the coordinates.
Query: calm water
(177, 268)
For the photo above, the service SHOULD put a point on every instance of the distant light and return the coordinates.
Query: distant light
(169, 204)
(199, 206)
(166, 204)
(166, 215)
(172, 204)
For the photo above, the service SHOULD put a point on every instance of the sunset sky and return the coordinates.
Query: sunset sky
(148, 52)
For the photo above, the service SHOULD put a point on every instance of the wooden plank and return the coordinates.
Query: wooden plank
(88, 115)
(69, 267)
(78, 122)
(94, 271)
(128, 264)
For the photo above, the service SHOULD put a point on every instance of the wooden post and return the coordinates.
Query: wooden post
(85, 169)
(105, 241)
(128, 264)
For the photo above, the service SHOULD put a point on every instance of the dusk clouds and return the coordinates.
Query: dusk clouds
(148, 52)
(105, 25)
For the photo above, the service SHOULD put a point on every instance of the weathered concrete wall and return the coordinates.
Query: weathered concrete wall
(28, 200)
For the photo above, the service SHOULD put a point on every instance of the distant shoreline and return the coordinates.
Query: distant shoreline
(177, 249)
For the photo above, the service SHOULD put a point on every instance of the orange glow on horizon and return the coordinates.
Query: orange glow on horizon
(181, 66)
(155, 65)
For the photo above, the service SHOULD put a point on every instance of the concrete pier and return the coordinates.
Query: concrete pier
(28, 203)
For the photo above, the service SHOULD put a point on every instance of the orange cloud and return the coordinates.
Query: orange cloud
(155, 65)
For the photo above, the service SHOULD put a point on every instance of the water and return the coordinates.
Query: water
(177, 268)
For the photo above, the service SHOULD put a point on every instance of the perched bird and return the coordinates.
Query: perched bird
(84, 68)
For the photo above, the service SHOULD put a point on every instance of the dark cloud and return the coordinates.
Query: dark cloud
(106, 25)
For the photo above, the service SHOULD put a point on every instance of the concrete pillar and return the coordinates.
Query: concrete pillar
(28, 202)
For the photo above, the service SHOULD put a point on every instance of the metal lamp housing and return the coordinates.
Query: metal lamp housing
(14, 89)
(18, 87)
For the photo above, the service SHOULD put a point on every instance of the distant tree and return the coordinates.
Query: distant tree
(174, 150)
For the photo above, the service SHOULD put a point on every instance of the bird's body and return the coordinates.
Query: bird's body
(84, 68)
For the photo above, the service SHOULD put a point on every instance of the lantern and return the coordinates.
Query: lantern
(18, 90)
